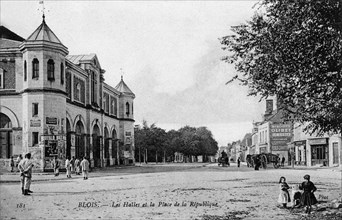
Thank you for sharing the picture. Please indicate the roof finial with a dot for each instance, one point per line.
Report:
(42, 9)
(122, 73)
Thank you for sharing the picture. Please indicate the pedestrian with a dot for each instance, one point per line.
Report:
(77, 166)
(284, 196)
(72, 164)
(308, 197)
(68, 167)
(282, 161)
(85, 168)
(12, 164)
(19, 158)
(238, 161)
(56, 165)
(25, 167)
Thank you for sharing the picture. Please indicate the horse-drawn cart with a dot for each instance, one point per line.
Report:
(262, 160)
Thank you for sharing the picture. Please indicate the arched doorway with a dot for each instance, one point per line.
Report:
(68, 146)
(106, 146)
(79, 140)
(5, 136)
(96, 146)
(114, 147)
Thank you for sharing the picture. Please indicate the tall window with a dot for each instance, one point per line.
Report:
(62, 73)
(34, 109)
(127, 108)
(78, 92)
(111, 106)
(132, 108)
(35, 68)
(35, 138)
(1, 78)
(51, 69)
(93, 87)
(115, 107)
(25, 71)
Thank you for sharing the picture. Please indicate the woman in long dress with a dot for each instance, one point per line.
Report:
(284, 196)
(308, 198)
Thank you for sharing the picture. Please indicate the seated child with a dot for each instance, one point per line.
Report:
(296, 195)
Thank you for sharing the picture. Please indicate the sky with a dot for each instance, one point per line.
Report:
(169, 53)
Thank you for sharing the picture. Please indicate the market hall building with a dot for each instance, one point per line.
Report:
(55, 104)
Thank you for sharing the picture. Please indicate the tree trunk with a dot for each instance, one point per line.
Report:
(164, 156)
(156, 156)
(146, 159)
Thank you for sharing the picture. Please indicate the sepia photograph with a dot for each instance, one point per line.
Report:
(195, 109)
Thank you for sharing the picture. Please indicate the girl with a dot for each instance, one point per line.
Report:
(284, 196)
(308, 198)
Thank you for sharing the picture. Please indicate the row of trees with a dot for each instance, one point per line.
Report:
(154, 144)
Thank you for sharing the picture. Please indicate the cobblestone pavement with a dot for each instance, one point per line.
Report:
(174, 191)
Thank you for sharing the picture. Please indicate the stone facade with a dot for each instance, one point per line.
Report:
(57, 105)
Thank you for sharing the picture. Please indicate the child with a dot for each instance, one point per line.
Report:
(308, 198)
(296, 196)
(284, 196)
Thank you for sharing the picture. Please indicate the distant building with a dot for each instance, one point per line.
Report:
(312, 150)
(57, 105)
(273, 134)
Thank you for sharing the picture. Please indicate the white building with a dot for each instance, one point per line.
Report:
(55, 104)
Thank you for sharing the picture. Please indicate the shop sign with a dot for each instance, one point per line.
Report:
(279, 148)
(51, 121)
(35, 123)
(280, 136)
(318, 141)
(299, 143)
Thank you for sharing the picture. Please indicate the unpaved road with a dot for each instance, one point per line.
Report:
(209, 192)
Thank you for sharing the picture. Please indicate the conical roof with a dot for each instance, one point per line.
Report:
(44, 33)
(123, 88)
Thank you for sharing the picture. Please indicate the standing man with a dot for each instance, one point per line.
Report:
(77, 166)
(68, 167)
(55, 164)
(72, 164)
(239, 161)
(25, 168)
(85, 168)
(282, 161)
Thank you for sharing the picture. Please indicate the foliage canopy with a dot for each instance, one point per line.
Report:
(293, 50)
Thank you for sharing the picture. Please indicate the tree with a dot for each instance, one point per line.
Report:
(293, 49)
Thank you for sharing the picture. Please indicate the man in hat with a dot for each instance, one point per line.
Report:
(25, 167)
(85, 168)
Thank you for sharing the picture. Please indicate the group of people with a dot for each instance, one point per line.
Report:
(305, 199)
(72, 166)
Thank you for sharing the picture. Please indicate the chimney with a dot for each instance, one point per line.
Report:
(269, 106)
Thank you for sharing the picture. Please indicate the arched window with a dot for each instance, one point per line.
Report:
(127, 108)
(35, 68)
(51, 69)
(25, 71)
(62, 73)
(78, 92)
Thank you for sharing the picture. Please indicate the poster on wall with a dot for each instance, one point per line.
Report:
(280, 135)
